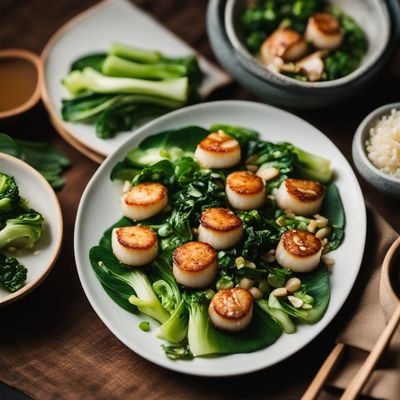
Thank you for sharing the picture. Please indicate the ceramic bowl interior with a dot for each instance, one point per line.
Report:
(387, 184)
(390, 278)
(34, 60)
(372, 15)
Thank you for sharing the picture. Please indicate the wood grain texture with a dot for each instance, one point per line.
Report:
(52, 344)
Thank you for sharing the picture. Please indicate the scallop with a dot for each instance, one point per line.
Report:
(324, 31)
(134, 245)
(144, 200)
(312, 66)
(195, 264)
(231, 309)
(299, 251)
(300, 196)
(218, 150)
(220, 227)
(245, 190)
(284, 43)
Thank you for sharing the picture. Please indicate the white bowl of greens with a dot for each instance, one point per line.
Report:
(217, 354)
(31, 228)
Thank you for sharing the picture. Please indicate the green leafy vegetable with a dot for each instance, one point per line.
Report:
(21, 231)
(127, 86)
(12, 273)
(9, 194)
(118, 278)
(50, 162)
(274, 309)
(332, 208)
(90, 79)
(316, 285)
(116, 66)
(135, 54)
(94, 61)
(205, 339)
(175, 329)
(177, 351)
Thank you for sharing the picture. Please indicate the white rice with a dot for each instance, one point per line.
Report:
(383, 145)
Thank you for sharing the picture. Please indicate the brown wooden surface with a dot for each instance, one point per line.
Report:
(59, 309)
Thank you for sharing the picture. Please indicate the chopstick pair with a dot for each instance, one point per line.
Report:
(360, 379)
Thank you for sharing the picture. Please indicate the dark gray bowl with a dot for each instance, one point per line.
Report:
(386, 184)
(283, 91)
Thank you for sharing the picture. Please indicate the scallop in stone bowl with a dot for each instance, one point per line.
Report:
(379, 20)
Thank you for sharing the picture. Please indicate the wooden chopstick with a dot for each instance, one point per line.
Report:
(324, 372)
(366, 369)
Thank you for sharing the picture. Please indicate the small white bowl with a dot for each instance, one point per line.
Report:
(386, 184)
(41, 197)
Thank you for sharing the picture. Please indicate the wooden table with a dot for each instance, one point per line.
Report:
(51, 307)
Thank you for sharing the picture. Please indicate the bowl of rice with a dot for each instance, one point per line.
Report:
(376, 149)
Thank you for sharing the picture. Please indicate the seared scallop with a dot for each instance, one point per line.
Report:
(284, 43)
(144, 200)
(231, 309)
(300, 196)
(195, 264)
(324, 31)
(218, 150)
(312, 66)
(220, 228)
(245, 190)
(134, 245)
(299, 251)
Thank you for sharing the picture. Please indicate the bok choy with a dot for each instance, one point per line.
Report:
(127, 86)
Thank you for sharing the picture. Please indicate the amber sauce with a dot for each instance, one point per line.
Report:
(18, 78)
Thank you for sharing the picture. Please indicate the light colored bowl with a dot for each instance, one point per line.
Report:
(42, 198)
(386, 184)
(374, 16)
(32, 58)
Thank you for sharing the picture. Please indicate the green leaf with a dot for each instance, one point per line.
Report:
(12, 273)
(332, 207)
(315, 284)
(205, 339)
(94, 61)
(51, 163)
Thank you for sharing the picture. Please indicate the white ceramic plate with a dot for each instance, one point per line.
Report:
(101, 199)
(41, 197)
(93, 31)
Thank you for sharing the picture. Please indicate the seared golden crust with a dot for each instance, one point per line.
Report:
(220, 219)
(326, 23)
(245, 183)
(300, 244)
(136, 237)
(145, 194)
(232, 304)
(304, 191)
(219, 142)
(194, 256)
(280, 40)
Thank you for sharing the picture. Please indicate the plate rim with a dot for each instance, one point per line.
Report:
(161, 362)
(60, 223)
(56, 121)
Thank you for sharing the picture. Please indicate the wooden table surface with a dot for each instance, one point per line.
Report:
(29, 25)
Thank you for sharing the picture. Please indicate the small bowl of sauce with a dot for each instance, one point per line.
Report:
(20, 81)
